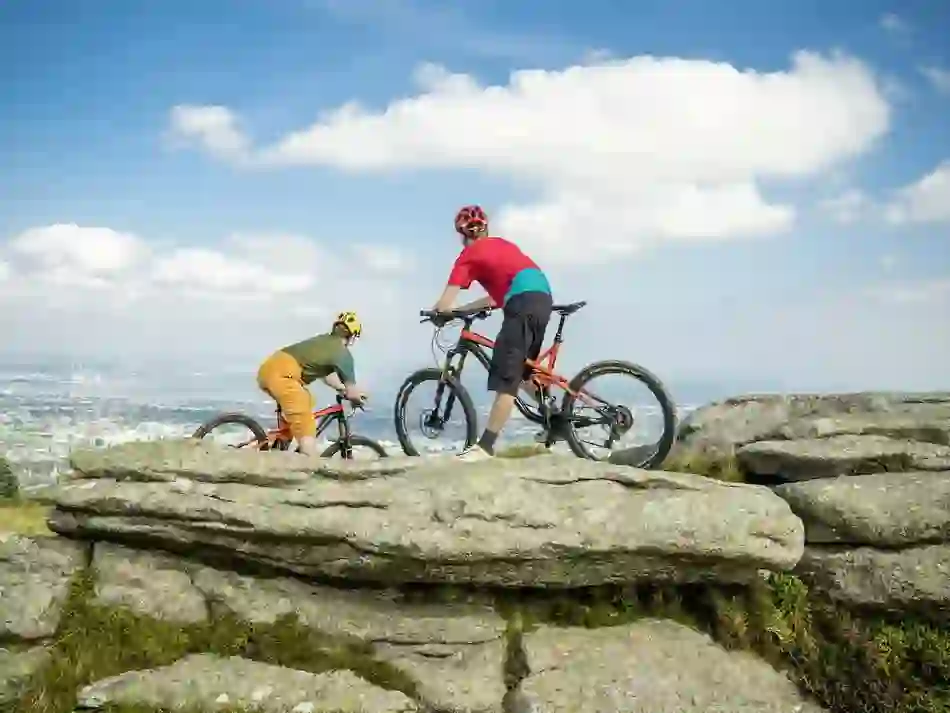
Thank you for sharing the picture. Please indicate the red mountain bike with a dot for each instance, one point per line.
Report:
(557, 422)
(280, 438)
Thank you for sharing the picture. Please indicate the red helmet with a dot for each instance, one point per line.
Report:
(470, 220)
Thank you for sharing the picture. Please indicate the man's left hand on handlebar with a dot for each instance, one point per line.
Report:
(354, 395)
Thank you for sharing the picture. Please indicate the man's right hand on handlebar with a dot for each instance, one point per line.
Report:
(440, 319)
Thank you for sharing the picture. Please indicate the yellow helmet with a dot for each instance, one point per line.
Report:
(351, 322)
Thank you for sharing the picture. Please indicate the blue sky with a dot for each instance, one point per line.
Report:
(88, 141)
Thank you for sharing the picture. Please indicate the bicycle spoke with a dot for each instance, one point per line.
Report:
(620, 414)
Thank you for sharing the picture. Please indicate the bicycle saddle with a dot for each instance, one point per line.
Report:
(569, 309)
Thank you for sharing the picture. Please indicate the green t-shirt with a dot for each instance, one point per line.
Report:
(322, 355)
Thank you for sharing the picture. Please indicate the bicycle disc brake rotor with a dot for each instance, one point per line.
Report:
(622, 421)
(431, 424)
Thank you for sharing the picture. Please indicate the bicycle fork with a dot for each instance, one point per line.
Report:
(434, 421)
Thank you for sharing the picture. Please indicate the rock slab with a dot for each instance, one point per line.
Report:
(556, 522)
(914, 579)
(719, 429)
(878, 510)
(453, 652)
(208, 683)
(16, 669)
(35, 574)
(840, 455)
(650, 666)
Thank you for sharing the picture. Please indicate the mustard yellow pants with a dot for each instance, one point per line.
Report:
(280, 377)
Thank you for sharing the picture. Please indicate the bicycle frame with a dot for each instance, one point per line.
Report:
(280, 438)
(542, 368)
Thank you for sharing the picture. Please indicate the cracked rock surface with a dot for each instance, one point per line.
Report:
(208, 682)
(549, 521)
(912, 579)
(650, 666)
(35, 574)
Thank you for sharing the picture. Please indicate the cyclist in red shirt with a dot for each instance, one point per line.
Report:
(514, 282)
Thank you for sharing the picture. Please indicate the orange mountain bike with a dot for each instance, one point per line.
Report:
(280, 438)
(561, 422)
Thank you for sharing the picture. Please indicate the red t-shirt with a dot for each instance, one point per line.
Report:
(492, 263)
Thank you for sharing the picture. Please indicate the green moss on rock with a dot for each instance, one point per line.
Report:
(93, 643)
(9, 485)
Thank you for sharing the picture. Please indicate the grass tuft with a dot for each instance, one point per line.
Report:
(23, 517)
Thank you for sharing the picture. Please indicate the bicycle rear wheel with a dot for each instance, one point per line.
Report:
(259, 436)
(619, 418)
(356, 441)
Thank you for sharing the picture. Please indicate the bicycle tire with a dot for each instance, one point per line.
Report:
(239, 418)
(355, 440)
(643, 375)
(461, 394)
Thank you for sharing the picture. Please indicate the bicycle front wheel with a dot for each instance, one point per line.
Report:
(219, 424)
(336, 448)
(449, 399)
(623, 414)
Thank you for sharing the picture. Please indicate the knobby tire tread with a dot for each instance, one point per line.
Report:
(452, 385)
(355, 440)
(239, 418)
(643, 375)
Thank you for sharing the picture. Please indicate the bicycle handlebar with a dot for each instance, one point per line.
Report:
(356, 405)
(430, 315)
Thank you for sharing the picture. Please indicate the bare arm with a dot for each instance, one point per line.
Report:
(334, 381)
(480, 303)
(444, 303)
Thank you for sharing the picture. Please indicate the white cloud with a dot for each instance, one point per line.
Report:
(381, 258)
(913, 292)
(847, 207)
(215, 129)
(893, 23)
(927, 200)
(939, 78)
(647, 148)
(233, 299)
(89, 250)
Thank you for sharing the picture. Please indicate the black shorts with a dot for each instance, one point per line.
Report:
(521, 336)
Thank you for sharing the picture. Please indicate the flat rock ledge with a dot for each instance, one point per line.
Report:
(719, 429)
(209, 683)
(885, 510)
(650, 666)
(555, 522)
(811, 458)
